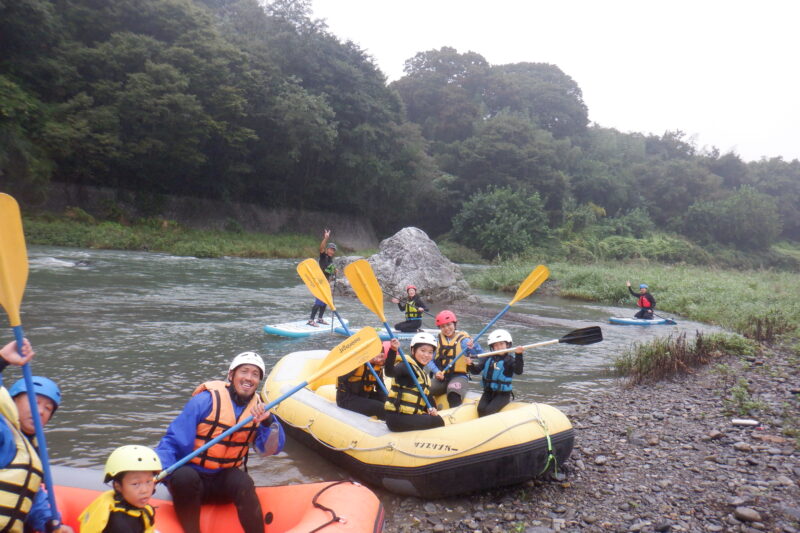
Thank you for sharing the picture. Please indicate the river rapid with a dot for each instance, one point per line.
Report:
(129, 335)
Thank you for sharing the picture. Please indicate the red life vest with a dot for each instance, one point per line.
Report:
(643, 302)
(231, 451)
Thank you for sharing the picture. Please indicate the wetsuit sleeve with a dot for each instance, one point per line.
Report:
(651, 299)
(264, 430)
(401, 305)
(518, 364)
(420, 304)
(477, 366)
(178, 442)
(630, 290)
(388, 366)
(40, 512)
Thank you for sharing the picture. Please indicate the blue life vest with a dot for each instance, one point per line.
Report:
(493, 378)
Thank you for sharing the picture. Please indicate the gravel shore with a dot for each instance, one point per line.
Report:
(659, 457)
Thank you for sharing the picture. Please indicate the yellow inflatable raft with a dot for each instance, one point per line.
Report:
(468, 454)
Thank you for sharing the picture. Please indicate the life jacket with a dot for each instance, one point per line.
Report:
(232, 450)
(21, 478)
(412, 312)
(95, 517)
(493, 378)
(326, 265)
(643, 302)
(406, 398)
(449, 350)
(360, 376)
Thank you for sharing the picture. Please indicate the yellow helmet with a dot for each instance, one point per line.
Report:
(131, 458)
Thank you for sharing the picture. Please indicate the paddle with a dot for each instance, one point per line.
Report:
(13, 278)
(365, 284)
(528, 285)
(312, 276)
(351, 353)
(580, 337)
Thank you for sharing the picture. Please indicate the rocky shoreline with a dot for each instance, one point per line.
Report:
(658, 457)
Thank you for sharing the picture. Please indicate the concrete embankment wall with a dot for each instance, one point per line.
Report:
(351, 231)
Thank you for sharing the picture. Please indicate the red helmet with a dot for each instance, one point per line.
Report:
(411, 287)
(445, 317)
(386, 347)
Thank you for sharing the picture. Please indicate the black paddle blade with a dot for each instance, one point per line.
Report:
(583, 336)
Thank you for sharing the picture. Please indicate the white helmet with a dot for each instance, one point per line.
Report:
(499, 335)
(423, 338)
(247, 358)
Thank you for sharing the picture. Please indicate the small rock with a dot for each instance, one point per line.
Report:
(742, 447)
(715, 435)
(589, 519)
(600, 460)
(663, 525)
(430, 507)
(746, 514)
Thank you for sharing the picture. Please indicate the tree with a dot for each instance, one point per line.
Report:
(501, 222)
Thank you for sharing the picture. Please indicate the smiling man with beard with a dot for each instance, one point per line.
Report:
(214, 476)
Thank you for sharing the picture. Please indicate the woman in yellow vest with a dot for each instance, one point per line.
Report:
(359, 391)
(125, 508)
(405, 408)
(452, 380)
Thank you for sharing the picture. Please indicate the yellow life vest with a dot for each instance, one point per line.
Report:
(449, 350)
(20, 479)
(362, 376)
(230, 451)
(95, 517)
(406, 398)
(412, 311)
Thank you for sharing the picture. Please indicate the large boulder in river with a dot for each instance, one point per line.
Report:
(410, 257)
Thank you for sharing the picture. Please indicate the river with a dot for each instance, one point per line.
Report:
(128, 335)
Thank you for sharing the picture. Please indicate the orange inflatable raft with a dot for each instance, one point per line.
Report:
(327, 507)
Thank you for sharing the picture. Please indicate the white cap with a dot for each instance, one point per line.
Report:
(248, 358)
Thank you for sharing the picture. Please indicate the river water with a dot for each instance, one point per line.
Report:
(128, 335)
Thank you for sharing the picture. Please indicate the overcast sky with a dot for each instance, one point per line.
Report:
(724, 72)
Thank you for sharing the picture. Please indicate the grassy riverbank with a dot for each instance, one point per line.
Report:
(159, 235)
(759, 304)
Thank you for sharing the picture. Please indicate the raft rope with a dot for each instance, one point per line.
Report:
(551, 457)
(391, 446)
(334, 517)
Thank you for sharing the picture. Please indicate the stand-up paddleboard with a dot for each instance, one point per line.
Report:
(384, 335)
(625, 321)
(301, 328)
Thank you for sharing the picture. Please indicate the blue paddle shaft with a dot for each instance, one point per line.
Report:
(381, 384)
(164, 473)
(37, 422)
(408, 367)
(478, 336)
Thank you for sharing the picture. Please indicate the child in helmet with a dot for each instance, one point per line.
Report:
(451, 366)
(496, 373)
(645, 301)
(326, 252)
(413, 307)
(358, 391)
(125, 508)
(406, 409)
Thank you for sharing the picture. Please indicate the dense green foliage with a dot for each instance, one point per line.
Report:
(242, 100)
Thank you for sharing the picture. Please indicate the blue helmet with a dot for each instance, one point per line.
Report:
(42, 385)
(643, 286)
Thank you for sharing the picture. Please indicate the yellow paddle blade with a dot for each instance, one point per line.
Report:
(13, 259)
(365, 285)
(353, 352)
(531, 283)
(315, 280)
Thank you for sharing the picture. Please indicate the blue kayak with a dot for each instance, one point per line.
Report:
(624, 321)
(383, 334)
(299, 328)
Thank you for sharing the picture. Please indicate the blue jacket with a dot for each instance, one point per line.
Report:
(179, 439)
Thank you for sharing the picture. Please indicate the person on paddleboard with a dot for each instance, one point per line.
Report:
(452, 344)
(326, 252)
(215, 475)
(645, 301)
(48, 399)
(496, 372)
(413, 306)
(358, 391)
(406, 409)
(131, 470)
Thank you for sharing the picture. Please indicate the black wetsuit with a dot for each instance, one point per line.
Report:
(644, 312)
